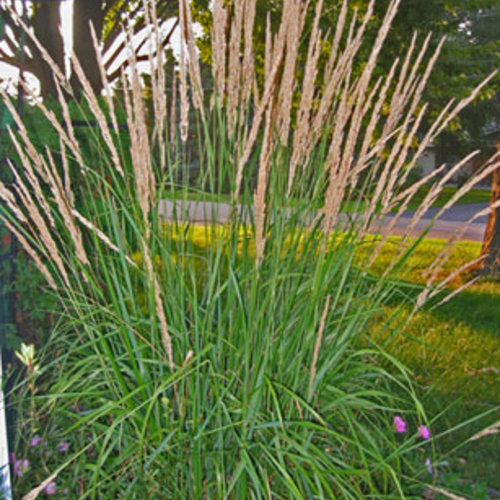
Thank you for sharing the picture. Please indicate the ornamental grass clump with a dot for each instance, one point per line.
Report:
(234, 361)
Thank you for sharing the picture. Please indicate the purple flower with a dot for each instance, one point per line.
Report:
(428, 464)
(21, 466)
(36, 440)
(63, 446)
(12, 457)
(50, 489)
(399, 424)
(424, 432)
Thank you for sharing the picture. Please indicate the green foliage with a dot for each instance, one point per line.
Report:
(452, 350)
(471, 52)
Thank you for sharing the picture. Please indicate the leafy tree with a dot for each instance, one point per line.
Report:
(471, 52)
(44, 20)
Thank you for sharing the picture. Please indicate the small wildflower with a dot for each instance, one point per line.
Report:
(12, 457)
(28, 358)
(35, 441)
(424, 432)
(50, 489)
(63, 446)
(21, 466)
(65, 491)
(428, 464)
(399, 424)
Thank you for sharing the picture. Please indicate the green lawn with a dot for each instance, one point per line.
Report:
(453, 351)
(476, 195)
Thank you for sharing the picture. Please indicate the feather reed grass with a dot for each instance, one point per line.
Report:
(214, 378)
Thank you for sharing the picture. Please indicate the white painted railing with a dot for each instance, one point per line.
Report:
(5, 484)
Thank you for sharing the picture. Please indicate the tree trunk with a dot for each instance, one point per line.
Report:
(47, 27)
(84, 13)
(491, 242)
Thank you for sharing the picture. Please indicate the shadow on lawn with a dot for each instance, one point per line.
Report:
(477, 309)
(452, 353)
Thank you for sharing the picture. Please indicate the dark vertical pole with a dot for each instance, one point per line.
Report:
(8, 305)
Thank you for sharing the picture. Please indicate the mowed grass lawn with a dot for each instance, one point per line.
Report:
(454, 352)
(476, 195)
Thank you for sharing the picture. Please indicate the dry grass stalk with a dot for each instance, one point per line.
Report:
(248, 64)
(39, 228)
(436, 189)
(68, 137)
(262, 183)
(414, 95)
(23, 133)
(31, 252)
(10, 200)
(339, 31)
(160, 312)
(294, 9)
(31, 177)
(270, 87)
(157, 74)
(104, 78)
(173, 112)
(56, 186)
(368, 149)
(445, 493)
(353, 110)
(66, 172)
(101, 235)
(334, 191)
(317, 346)
(183, 86)
(463, 287)
(234, 64)
(436, 267)
(139, 141)
(447, 114)
(220, 16)
(188, 39)
(143, 169)
(97, 112)
(442, 256)
(492, 429)
(35, 492)
(57, 71)
(300, 137)
(422, 208)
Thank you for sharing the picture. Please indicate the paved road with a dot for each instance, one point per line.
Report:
(448, 223)
(445, 227)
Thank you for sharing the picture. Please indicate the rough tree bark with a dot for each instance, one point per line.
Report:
(491, 242)
(47, 27)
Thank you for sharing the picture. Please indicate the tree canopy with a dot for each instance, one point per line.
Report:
(471, 52)
(43, 18)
